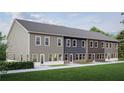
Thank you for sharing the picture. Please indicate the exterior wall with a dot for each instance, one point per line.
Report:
(96, 51)
(74, 50)
(46, 50)
(109, 51)
(17, 43)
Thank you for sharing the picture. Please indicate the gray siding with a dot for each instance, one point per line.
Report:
(53, 48)
(95, 50)
(74, 50)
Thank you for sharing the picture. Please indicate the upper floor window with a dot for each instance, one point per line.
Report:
(47, 41)
(59, 41)
(116, 45)
(74, 43)
(107, 45)
(102, 44)
(68, 43)
(37, 40)
(110, 45)
(96, 44)
(83, 43)
(91, 44)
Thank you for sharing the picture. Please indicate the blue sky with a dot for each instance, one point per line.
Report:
(106, 21)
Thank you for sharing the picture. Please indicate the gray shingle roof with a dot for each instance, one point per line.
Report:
(63, 31)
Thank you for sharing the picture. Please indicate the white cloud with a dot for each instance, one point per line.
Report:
(39, 17)
(73, 14)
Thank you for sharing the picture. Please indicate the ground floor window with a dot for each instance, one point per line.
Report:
(66, 57)
(54, 57)
(50, 57)
(80, 56)
(76, 56)
(35, 57)
(59, 57)
(90, 56)
(100, 55)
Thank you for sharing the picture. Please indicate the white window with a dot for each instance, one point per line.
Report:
(96, 44)
(76, 56)
(116, 45)
(37, 40)
(68, 43)
(102, 44)
(50, 57)
(59, 41)
(54, 57)
(83, 43)
(59, 57)
(35, 57)
(110, 45)
(74, 43)
(107, 45)
(80, 56)
(91, 44)
(47, 41)
(66, 57)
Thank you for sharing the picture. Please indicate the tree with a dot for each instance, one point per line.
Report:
(94, 29)
(120, 38)
(2, 48)
(123, 19)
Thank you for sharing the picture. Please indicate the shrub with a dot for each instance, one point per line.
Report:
(17, 65)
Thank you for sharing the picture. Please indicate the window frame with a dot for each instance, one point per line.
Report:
(84, 43)
(37, 36)
(107, 45)
(67, 42)
(58, 57)
(75, 43)
(61, 41)
(97, 44)
(48, 40)
(33, 57)
(92, 43)
(103, 46)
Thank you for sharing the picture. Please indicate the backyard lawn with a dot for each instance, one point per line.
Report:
(113, 72)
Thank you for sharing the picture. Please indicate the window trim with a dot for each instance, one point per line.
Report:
(75, 43)
(77, 56)
(92, 43)
(37, 36)
(67, 44)
(84, 43)
(67, 57)
(97, 44)
(58, 57)
(48, 40)
(35, 55)
(61, 41)
(103, 44)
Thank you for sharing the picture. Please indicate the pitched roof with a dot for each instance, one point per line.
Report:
(61, 30)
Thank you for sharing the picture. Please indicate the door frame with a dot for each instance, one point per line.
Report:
(43, 58)
(71, 57)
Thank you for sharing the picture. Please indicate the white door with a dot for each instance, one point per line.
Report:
(42, 58)
(71, 57)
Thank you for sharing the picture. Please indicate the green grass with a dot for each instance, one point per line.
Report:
(111, 72)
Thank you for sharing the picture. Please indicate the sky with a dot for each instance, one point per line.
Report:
(106, 21)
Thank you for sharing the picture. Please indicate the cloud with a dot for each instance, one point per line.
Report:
(14, 15)
(40, 17)
(73, 14)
